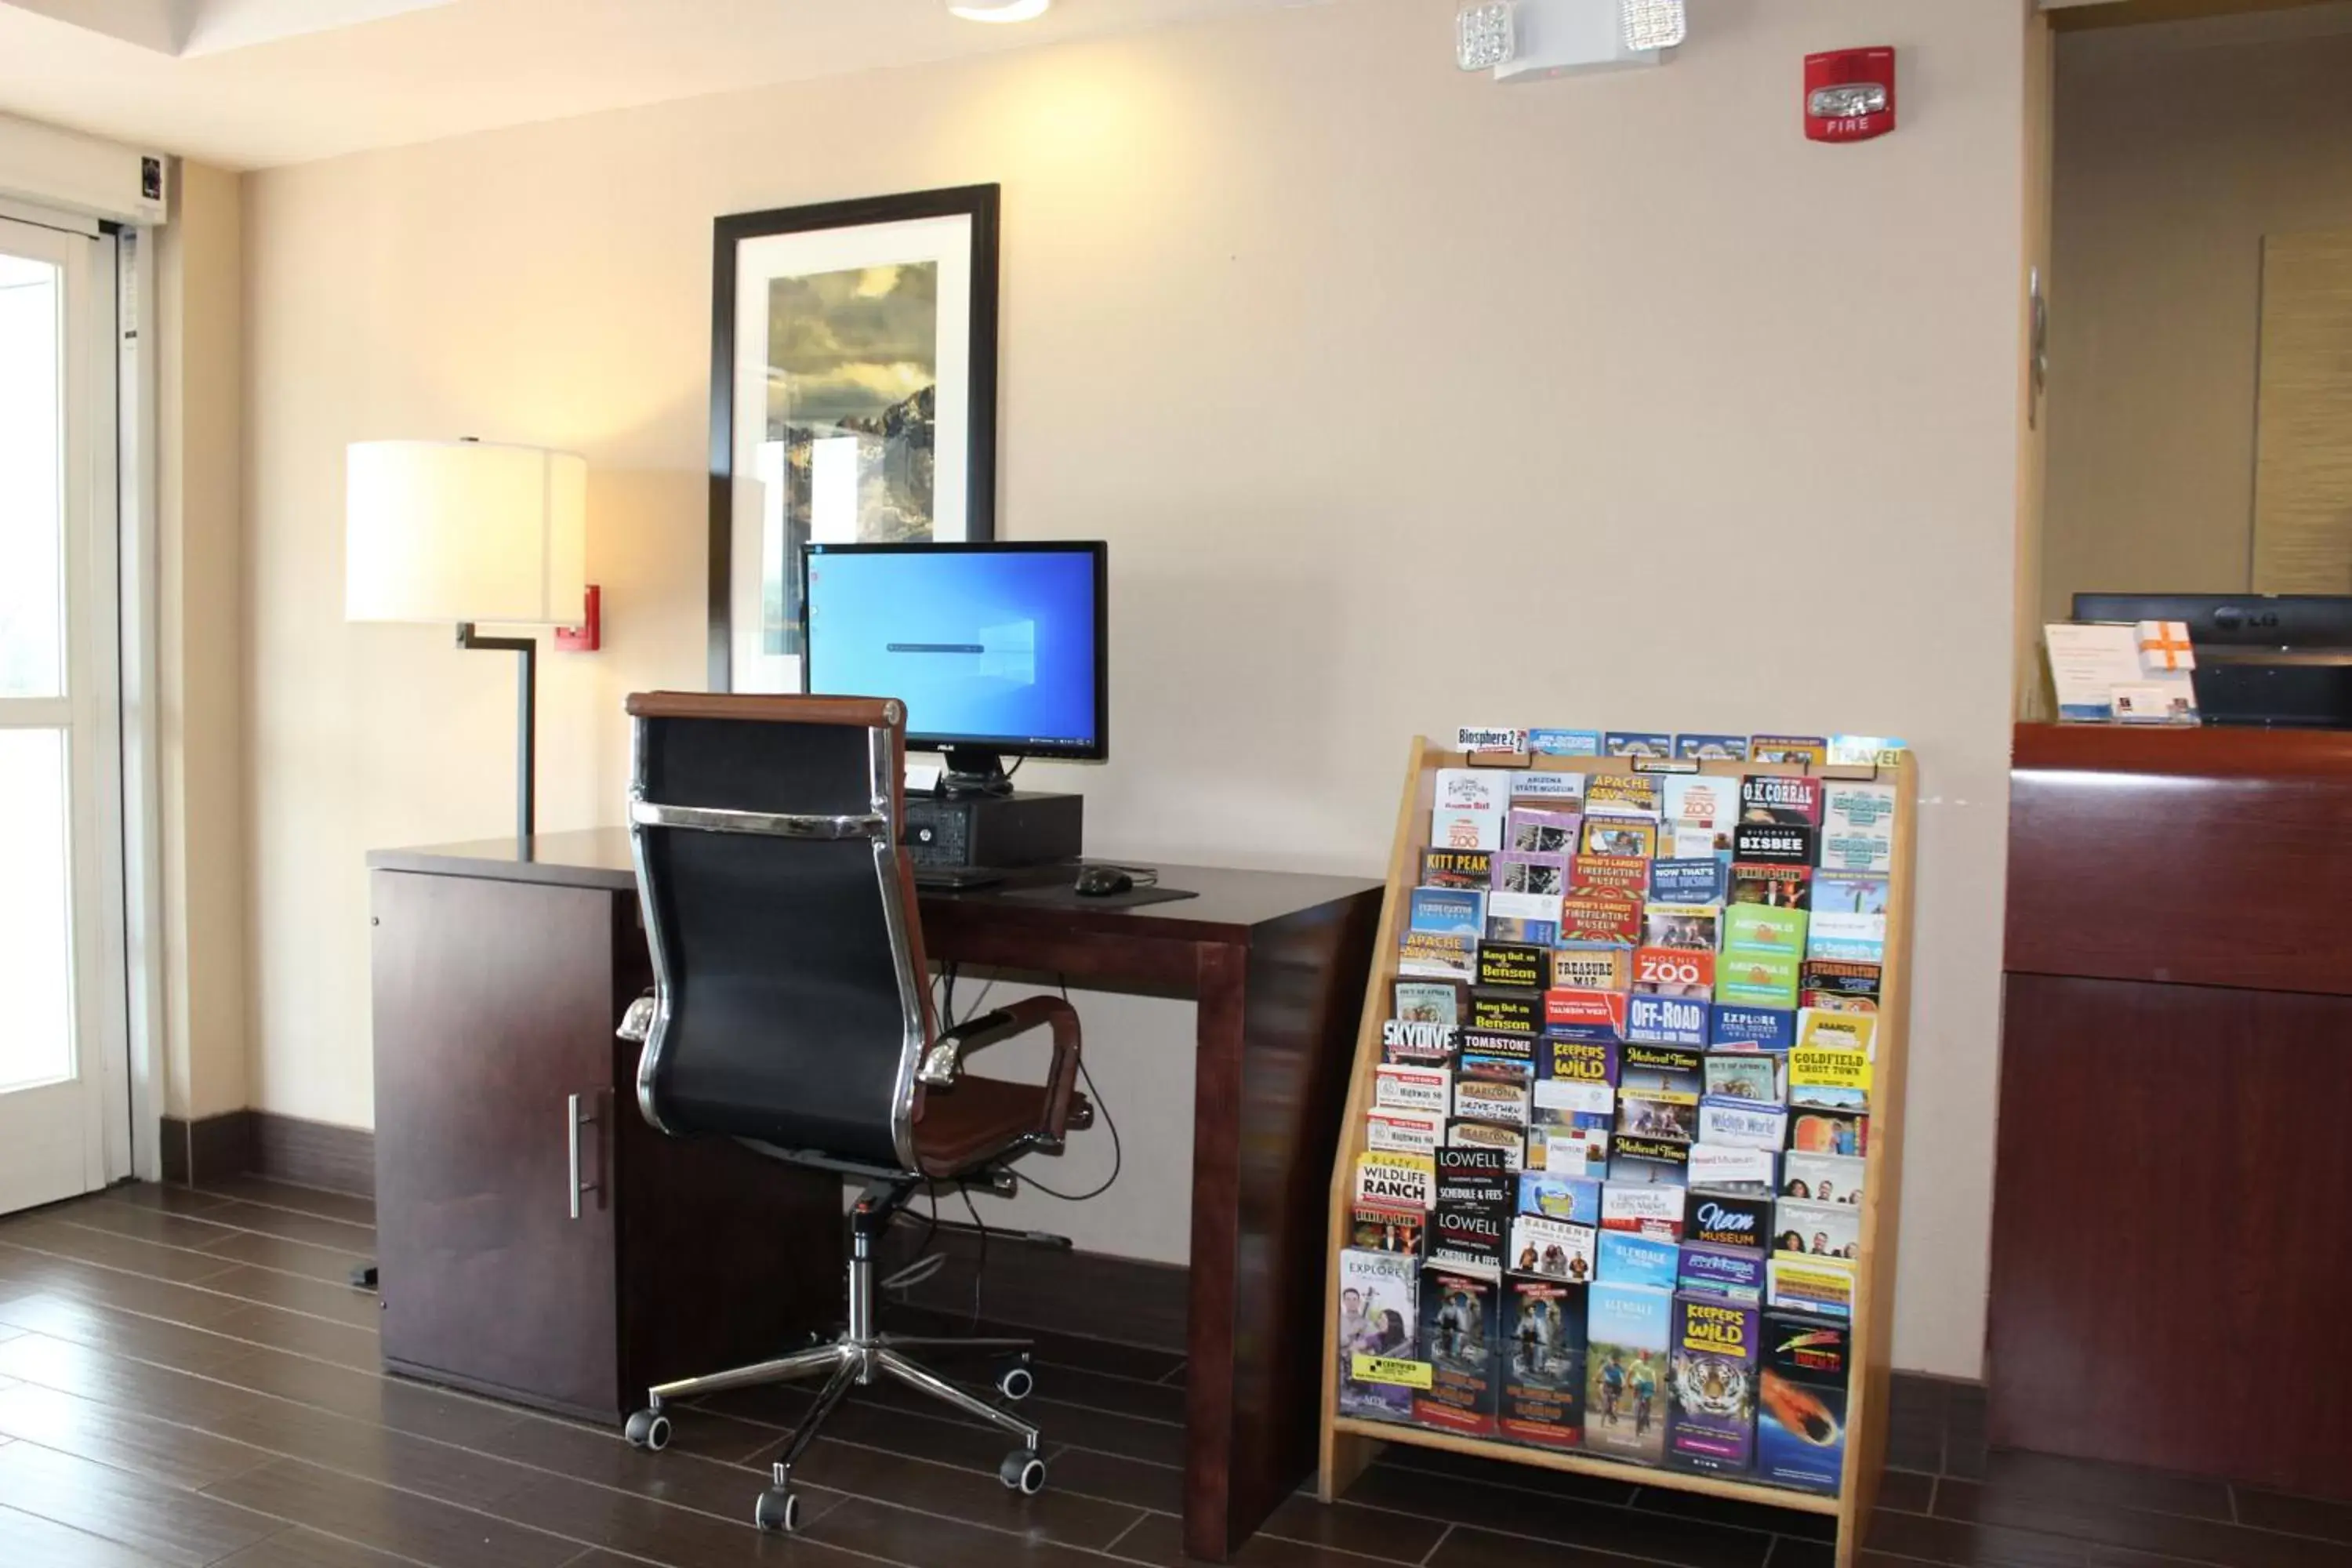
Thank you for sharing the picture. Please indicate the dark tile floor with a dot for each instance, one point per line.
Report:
(186, 1381)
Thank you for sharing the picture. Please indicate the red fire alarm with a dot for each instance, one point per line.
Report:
(1849, 95)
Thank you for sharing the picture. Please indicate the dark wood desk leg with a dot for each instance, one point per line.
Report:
(1277, 1026)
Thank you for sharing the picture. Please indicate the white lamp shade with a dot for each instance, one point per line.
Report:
(465, 531)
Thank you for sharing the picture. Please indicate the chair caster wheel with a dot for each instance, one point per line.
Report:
(1015, 1381)
(778, 1509)
(649, 1430)
(1022, 1471)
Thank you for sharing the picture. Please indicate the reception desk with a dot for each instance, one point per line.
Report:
(2171, 1282)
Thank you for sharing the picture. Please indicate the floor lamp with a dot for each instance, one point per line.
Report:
(470, 534)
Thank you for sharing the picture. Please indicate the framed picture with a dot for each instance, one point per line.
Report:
(852, 400)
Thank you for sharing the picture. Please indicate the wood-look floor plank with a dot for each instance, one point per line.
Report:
(28, 1541)
(295, 1547)
(62, 1317)
(344, 1329)
(277, 1428)
(916, 1434)
(1467, 1547)
(1732, 1511)
(1906, 1491)
(1056, 1514)
(685, 1479)
(270, 1327)
(1158, 1540)
(1519, 1478)
(1098, 1391)
(137, 1221)
(176, 1527)
(2158, 1534)
(124, 1292)
(110, 1249)
(673, 1537)
(41, 1361)
(335, 1302)
(410, 1407)
(1135, 1482)
(2294, 1515)
(1345, 1527)
(261, 1191)
(110, 1435)
(1135, 1361)
(93, 1373)
(1602, 1527)
(288, 1225)
(1161, 1442)
(155, 1195)
(402, 1524)
(330, 1263)
(1924, 1539)
(926, 1541)
(2091, 1483)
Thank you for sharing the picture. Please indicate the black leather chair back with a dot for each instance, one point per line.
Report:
(791, 1004)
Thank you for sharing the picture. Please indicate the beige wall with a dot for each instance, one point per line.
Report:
(1404, 399)
(200, 642)
(2179, 147)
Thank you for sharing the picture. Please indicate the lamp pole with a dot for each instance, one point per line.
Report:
(526, 722)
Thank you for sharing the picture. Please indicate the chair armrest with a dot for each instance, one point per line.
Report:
(943, 1063)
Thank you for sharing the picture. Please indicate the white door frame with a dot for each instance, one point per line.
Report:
(93, 710)
(138, 613)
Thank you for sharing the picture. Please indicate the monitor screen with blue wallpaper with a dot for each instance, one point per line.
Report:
(990, 646)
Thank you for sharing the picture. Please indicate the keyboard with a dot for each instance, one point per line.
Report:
(954, 879)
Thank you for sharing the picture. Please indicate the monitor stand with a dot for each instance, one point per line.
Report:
(974, 771)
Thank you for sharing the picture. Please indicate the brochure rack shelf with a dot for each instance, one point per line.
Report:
(1349, 1443)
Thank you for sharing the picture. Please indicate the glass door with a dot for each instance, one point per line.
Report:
(60, 1008)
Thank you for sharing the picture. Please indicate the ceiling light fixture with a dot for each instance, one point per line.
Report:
(999, 10)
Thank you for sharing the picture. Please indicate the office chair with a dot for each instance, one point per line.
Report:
(791, 1011)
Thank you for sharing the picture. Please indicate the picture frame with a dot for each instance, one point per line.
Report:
(853, 399)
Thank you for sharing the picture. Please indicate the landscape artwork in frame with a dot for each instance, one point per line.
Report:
(852, 400)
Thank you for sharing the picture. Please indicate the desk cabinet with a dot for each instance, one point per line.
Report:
(495, 1004)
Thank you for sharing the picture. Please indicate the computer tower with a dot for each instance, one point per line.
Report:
(1029, 828)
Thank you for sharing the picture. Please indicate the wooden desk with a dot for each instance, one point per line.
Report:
(2166, 1288)
(498, 983)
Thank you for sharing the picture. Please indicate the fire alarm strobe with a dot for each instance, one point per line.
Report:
(1849, 94)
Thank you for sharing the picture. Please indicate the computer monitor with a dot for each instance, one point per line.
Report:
(2283, 660)
(997, 649)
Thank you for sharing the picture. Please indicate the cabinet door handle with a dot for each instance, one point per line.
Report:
(573, 1121)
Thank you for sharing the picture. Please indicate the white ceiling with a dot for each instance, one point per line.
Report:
(248, 83)
(203, 27)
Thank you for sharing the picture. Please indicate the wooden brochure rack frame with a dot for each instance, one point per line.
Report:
(1350, 1443)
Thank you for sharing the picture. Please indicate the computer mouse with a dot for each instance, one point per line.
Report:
(1102, 882)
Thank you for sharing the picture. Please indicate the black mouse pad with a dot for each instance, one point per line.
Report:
(1063, 893)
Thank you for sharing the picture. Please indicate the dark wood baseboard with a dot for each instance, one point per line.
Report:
(263, 1143)
(314, 1153)
(207, 1147)
(1130, 1299)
